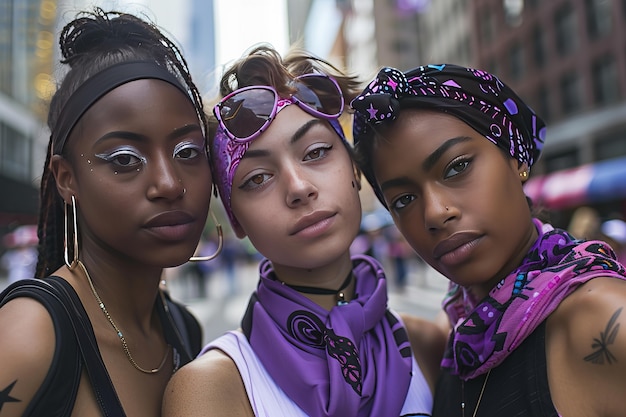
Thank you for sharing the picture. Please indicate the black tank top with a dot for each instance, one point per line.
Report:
(57, 394)
(518, 387)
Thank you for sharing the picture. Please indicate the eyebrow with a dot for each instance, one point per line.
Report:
(434, 157)
(428, 164)
(297, 135)
(122, 134)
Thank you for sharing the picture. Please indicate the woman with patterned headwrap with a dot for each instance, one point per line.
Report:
(536, 315)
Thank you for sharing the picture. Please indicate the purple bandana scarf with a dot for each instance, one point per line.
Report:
(354, 360)
(476, 97)
(486, 332)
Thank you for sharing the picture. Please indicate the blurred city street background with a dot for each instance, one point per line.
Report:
(566, 58)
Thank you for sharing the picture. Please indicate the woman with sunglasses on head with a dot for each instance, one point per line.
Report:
(317, 338)
(125, 193)
(537, 315)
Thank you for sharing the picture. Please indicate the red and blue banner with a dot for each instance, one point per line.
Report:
(592, 183)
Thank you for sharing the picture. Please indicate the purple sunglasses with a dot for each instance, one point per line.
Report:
(245, 113)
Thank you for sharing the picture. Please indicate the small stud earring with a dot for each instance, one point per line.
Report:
(523, 174)
(447, 208)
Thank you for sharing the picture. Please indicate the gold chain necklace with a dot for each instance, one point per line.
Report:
(119, 332)
(480, 396)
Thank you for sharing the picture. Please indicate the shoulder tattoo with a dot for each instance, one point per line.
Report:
(5, 396)
(600, 345)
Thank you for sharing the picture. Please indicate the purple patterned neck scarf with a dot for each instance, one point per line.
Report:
(488, 331)
(354, 360)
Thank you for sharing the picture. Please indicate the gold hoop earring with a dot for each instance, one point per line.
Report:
(220, 243)
(66, 255)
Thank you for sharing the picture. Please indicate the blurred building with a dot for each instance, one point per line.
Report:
(26, 45)
(566, 58)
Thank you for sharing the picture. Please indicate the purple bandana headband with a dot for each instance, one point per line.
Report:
(476, 97)
(227, 154)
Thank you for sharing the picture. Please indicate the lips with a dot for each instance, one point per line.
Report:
(171, 225)
(454, 242)
(310, 220)
(170, 218)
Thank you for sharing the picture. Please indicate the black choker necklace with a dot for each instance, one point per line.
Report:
(341, 296)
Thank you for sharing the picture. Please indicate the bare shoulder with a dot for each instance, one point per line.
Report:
(586, 342)
(26, 350)
(590, 303)
(428, 341)
(210, 382)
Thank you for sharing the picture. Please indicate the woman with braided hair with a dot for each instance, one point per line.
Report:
(125, 193)
(537, 316)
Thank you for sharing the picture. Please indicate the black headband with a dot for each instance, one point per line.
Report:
(100, 84)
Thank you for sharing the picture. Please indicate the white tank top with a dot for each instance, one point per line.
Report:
(268, 399)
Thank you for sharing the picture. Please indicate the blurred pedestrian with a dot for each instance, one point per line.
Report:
(615, 232)
(537, 315)
(400, 252)
(585, 223)
(20, 258)
(228, 261)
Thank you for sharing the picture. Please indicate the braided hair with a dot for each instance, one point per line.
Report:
(90, 43)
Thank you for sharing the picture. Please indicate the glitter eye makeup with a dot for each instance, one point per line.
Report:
(187, 150)
(123, 157)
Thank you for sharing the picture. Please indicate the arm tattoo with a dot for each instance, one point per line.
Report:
(601, 345)
(5, 397)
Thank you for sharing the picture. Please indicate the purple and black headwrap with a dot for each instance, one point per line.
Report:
(476, 97)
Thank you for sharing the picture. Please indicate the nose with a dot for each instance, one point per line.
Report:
(300, 189)
(165, 179)
(438, 208)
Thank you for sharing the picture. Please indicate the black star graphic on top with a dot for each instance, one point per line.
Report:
(5, 397)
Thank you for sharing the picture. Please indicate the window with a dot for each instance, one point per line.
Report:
(539, 47)
(598, 13)
(532, 4)
(487, 27)
(14, 153)
(605, 81)
(571, 100)
(516, 61)
(513, 10)
(611, 146)
(542, 103)
(463, 52)
(563, 160)
(494, 67)
(565, 29)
